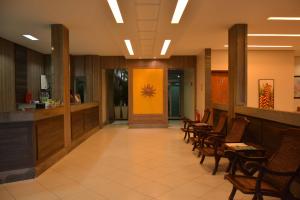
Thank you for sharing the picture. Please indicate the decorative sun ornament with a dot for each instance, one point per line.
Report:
(148, 90)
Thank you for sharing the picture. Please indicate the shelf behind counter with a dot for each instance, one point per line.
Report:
(31, 141)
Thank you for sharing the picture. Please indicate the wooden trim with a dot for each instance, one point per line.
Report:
(290, 118)
(147, 120)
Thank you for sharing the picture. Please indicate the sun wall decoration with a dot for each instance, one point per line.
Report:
(148, 90)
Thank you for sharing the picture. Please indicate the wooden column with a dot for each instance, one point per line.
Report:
(60, 63)
(237, 68)
(207, 68)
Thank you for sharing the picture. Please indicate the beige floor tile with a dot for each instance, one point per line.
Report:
(64, 191)
(39, 196)
(148, 164)
(153, 189)
(4, 194)
(178, 195)
(24, 188)
(194, 188)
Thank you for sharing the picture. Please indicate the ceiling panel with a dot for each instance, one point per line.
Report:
(147, 25)
(93, 29)
(147, 1)
(147, 35)
(147, 12)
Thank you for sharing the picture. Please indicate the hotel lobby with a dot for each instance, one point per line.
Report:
(149, 100)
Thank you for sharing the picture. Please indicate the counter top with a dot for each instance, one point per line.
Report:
(39, 114)
(78, 107)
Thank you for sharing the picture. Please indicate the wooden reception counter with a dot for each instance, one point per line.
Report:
(31, 141)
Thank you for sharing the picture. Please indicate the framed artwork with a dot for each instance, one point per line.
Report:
(297, 87)
(148, 91)
(266, 93)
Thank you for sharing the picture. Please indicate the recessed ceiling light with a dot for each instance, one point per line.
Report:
(181, 4)
(266, 46)
(285, 18)
(273, 35)
(129, 47)
(30, 37)
(113, 4)
(165, 47)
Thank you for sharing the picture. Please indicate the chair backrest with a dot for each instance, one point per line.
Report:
(221, 122)
(237, 130)
(285, 159)
(206, 115)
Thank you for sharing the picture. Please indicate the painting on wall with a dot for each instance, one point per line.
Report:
(148, 90)
(266, 93)
(297, 87)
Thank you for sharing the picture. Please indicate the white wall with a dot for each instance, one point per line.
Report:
(277, 65)
(104, 105)
(189, 93)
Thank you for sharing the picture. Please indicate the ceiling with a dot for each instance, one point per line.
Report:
(93, 29)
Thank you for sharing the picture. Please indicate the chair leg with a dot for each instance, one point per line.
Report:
(194, 146)
(217, 160)
(188, 137)
(229, 167)
(199, 153)
(185, 134)
(232, 194)
(202, 159)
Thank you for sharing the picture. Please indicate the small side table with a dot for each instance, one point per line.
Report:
(247, 149)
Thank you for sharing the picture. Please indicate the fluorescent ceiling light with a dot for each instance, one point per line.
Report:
(113, 4)
(165, 47)
(181, 4)
(285, 18)
(30, 37)
(266, 46)
(274, 35)
(129, 47)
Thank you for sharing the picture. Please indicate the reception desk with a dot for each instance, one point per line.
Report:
(31, 141)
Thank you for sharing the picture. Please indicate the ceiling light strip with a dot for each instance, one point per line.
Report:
(266, 46)
(165, 47)
(30, 37)
(129, 47)
(272, 35)
(113, 4)
(180, 7)
(285, 18)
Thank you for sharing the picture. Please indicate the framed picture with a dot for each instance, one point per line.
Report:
(266, 93)
(297, 87)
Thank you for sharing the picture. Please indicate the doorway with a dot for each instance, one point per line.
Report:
(175, 91)
(117, 95)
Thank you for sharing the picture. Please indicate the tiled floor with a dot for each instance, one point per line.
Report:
(127, 164)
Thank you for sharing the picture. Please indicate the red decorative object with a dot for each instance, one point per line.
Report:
(28, 98)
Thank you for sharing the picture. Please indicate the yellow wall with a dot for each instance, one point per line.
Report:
(277, 65)
(143, 104)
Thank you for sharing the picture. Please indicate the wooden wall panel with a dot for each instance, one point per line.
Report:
(181, 62)
(20, 73)
(16, 146)
(35, 68)
(7, 76)
(50, 136)
(113, 62)
(219, 87)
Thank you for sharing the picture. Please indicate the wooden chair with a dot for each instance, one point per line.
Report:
(276, 175)
(204, 132)
(188, 124)
(213, 145)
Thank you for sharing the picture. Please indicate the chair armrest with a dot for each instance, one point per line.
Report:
(264, 169)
